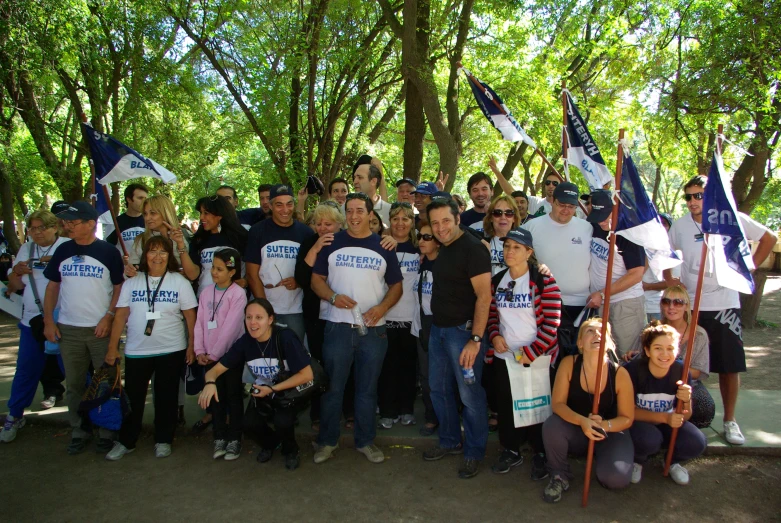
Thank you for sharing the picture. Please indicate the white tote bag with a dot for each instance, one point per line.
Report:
(530, 387)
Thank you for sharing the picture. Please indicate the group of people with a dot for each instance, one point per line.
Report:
(388, 297)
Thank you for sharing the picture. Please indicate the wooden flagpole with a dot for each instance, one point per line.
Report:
(692, 328)
(605, 314)
(107, 196)
(564, 141)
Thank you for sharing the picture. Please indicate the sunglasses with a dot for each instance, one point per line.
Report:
(675, 301)
(427, 237)
(270, 286)
(507, 212)
(696, 196)
(40, 228)
(508, 292)
(552, 182)
(396, 205)
(330, 203)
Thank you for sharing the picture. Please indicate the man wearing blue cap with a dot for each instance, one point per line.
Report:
(422, 197)
(404, 189)
(85, 275)
(627, 300)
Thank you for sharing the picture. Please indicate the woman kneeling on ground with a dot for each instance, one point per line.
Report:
(570, 427)
(268, 350)
(658, 383)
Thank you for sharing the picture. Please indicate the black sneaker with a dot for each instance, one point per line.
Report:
(78, 445)
(506, 461)
(440, 452)
(104, 445)
(556, 487)
(292, 461)
(539, 470)
(265, 455)
(468, 469)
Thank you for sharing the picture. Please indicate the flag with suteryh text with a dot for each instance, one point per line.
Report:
(582, 152)
(727, 243)
(499, 116)
(639, 222)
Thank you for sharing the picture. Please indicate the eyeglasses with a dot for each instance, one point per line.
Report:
(696, 196)
(675, 301)
(357, 195)
(330, 203)
(508, 292)
(72, 223)
(40, 228)
(427, 237)
(270, 286)
(396, 205)
(552, 182)
(159, 254)
(507, 212)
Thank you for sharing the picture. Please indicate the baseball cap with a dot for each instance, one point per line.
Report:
(601, 206)
(426, 189)
(441, 196)
(666, 217)
(406, 180)
(59, 206)
(584, 197)
(521, 236)
(567, 193)
(79, 210)
(280, 189)
(314, 185)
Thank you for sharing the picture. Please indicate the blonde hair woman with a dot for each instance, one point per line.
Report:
(159, 219)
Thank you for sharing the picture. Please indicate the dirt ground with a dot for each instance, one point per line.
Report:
(42, 483)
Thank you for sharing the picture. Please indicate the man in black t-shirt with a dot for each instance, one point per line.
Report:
(131, 222)
(460, 302)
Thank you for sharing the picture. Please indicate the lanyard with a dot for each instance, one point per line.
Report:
(46, 253)
(151, 304)
(214, 298)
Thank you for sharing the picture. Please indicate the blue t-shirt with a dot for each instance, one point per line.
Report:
(275, 249)
(262, 357)
(652, 393)
(251, 216)
(409, 262)
(473, 219)
(359, 268)
(87, 274)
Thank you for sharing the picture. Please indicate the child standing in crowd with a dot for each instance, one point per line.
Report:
(658, 383)
(219, 325)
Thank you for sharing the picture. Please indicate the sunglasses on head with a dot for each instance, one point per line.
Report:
(675, 301)
(427, 237)
(396, 205)
(330, 203)
(552, 182)
(508, 292)
(507, 212)
(696, 196)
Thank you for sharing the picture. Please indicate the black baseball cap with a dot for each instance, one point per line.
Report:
(280, 189)
(584, 197)
(59, 206)
(441, 196)
(666, 217)
(521, 236)
(601, 206)
(567, 193)
(406, 180)
(79, 210)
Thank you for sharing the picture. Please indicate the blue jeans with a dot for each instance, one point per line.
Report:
(341, 346)
(294, 322)
(30, 362)
(444, 373)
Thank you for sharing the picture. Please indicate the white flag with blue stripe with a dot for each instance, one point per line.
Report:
(727, 243)
(638, 221)
(582, 151)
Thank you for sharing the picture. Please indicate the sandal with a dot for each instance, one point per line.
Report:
(349, 423)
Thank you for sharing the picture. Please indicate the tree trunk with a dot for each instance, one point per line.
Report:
(414, 133)
(7, 201)
(749, 303)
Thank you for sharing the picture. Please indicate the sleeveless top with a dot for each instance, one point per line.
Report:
(580, 401)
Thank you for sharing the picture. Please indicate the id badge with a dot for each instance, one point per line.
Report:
(212, 325)
(153, 315)
(150, 324)
(78, 259)
(39, 265)
(699, 237)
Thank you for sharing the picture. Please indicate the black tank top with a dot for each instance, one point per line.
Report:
(580, 401)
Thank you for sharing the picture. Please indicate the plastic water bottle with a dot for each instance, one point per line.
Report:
(469, 375)
(358, 320)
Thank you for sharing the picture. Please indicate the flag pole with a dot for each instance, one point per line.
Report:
(605, 314)
(106, 195)
(564, 141)
(692, 329)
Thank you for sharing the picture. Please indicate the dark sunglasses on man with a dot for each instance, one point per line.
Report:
(696, 196)
(552, 182)
(507, 212)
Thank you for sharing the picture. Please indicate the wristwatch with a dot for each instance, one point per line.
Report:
(475, 338)
(333, 298)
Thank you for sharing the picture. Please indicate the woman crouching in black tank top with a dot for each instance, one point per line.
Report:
(570, 427)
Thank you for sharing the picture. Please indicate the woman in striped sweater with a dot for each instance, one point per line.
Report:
(522, 325)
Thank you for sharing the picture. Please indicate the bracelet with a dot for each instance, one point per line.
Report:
(609, 425)
(110, 313)
(209, 383)
(182, 251)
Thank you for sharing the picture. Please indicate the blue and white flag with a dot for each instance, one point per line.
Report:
(115, 161)
(582, 152)
(639, 222)
(500, 118)
(727, 243)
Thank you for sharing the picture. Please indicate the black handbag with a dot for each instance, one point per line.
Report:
(298, 396)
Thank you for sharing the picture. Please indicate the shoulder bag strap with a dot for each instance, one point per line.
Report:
(32, 281)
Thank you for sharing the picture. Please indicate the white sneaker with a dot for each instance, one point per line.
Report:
(679, 474)
(48, 402)
(408, 419)
(162, 450)
(117, 451)
(732, 433)
(637, 473)
(10, 428)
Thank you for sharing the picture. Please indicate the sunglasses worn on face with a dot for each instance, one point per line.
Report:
(508, 292)
(675, 301)
(427, 237)
(552, 182)
(696, 196)
(507, 212)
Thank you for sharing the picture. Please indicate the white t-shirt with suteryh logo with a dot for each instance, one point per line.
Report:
(409, 263)
(87, 275)
(686, 235)
(566, 250)
(30, 309)
(517, 321)
(169, 332)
